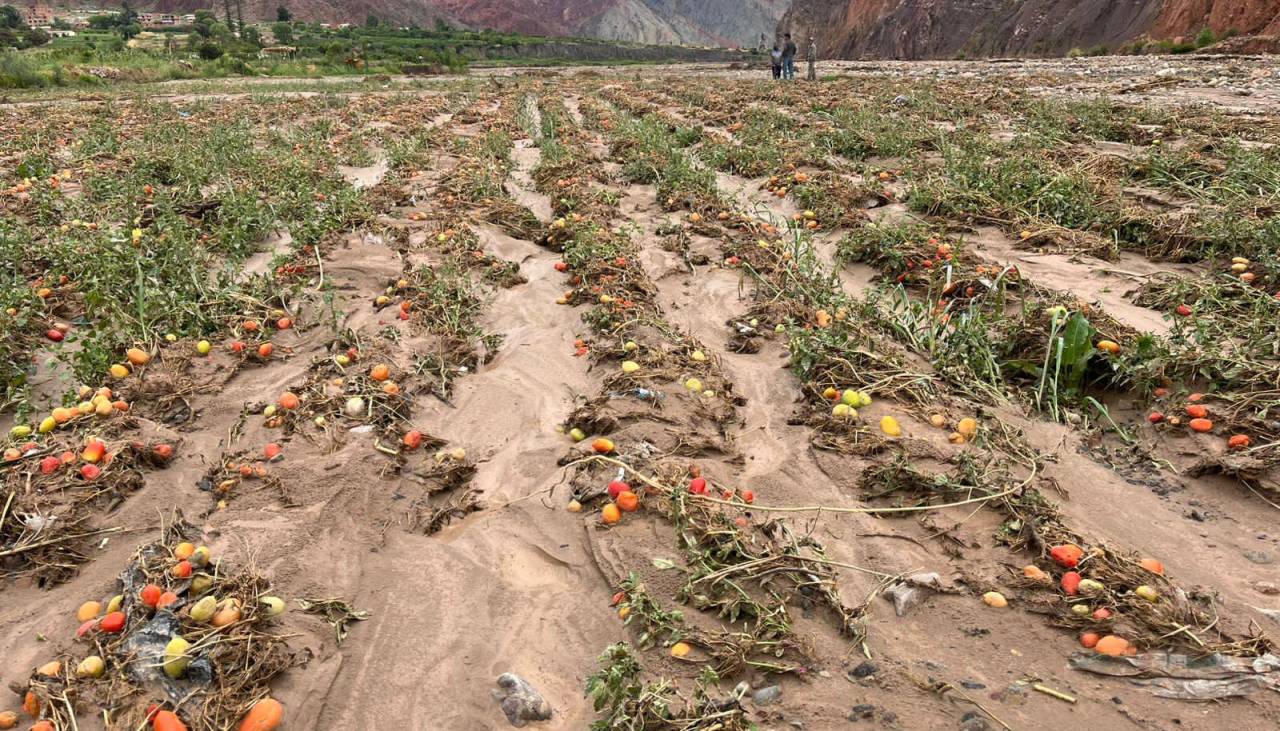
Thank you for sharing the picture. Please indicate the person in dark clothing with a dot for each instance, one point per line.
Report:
(776, 57)
(789, 51)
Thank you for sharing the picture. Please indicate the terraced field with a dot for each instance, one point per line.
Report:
(693, 401)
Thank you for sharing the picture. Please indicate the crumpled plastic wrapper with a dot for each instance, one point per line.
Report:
(1188, 678)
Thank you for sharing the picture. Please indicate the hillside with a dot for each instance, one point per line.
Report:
(687, 22)
(949, 28)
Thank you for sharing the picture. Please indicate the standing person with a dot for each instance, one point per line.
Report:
(811, 55)
(789, 57)
(776, 57)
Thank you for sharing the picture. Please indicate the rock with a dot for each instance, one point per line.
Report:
(903, 597)
(971, 721)
(1259, 557)
(767, 696)
(861, 711)
(519, 701)
(864, 670)
(1266, 587)
(907, 594)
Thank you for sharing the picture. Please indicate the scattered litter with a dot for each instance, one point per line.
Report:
(1188, 678)
(336, 612)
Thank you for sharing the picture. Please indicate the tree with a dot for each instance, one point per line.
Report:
(209, 50)
(371, 21)
(239, 18)
(283, 15)
(226, 7)
(251, 36)
(204, 23)
(283, 33)
(36, 37)
(130, 30)
(126, 16)
(9, 17)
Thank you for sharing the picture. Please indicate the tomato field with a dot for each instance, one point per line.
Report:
(678, 399)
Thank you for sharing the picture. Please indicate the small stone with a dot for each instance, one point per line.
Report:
(971, 721)
(519, 701)
(767, 696)
(972, 684)
(1258, 557)
(861, 711)
(865, 669)
(1197, 516)
(1266, 587)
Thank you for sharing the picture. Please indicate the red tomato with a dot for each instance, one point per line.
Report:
(113, 622)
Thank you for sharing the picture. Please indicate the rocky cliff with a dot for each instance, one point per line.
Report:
(951, 28)
(697, 22)
(683, 22)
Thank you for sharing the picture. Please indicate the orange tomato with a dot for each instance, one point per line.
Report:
(1200, 425)
(1152, 565)
(31, 704)
(602, 445)
(1238, 441)
(610, 514)
(1035, 573)
(1112, 645)
(628, 501)
(1196, 411)
(265, 350)
(167, 721)
(412, 440)
(113, 622)
(265, 715)
(380, 372)
(288, 400)
(1089, 639)
(150, 594)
